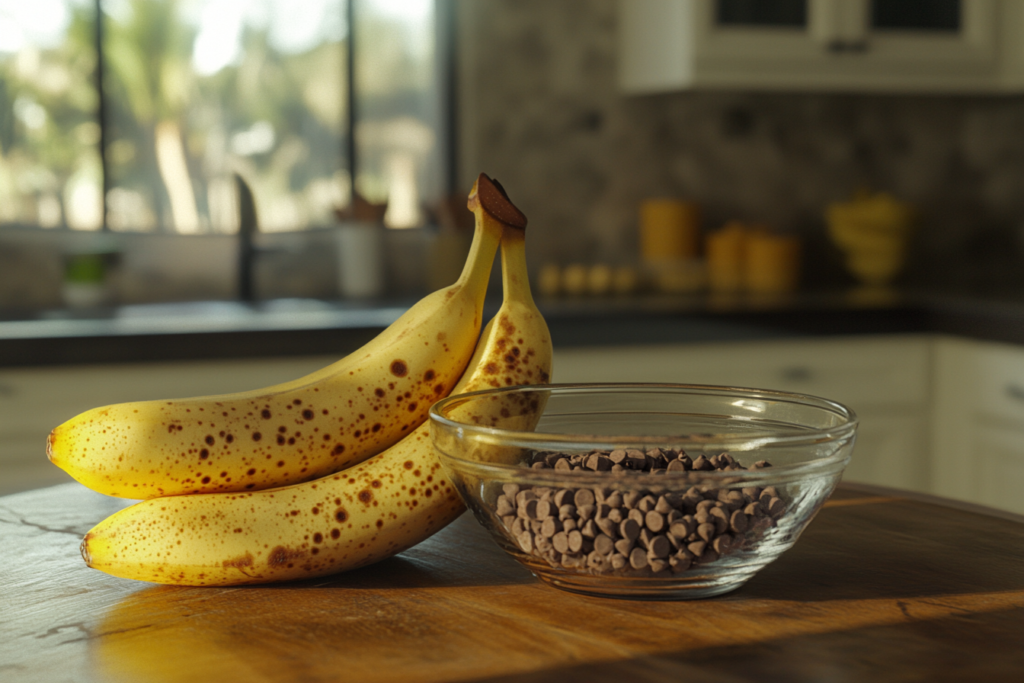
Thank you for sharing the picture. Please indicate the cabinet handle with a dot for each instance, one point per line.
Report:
(840, 46)
(1015, 391)
(797, 373)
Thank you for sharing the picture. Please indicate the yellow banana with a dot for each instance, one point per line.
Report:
(299, 430)
(346, 520)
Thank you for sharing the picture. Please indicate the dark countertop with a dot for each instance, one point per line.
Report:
(225, 329)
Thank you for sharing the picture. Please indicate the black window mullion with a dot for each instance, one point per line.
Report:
(101, 113)
(350, 89)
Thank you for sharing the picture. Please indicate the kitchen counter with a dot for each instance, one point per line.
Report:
(210, 330)
(882, 586)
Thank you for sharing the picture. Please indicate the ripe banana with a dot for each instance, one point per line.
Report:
(343, 521)
(299, 430)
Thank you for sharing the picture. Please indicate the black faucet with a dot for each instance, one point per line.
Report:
(247, 229)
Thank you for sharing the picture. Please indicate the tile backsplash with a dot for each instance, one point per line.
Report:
(542, 112)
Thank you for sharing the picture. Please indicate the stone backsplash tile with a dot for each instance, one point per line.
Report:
(547, 119)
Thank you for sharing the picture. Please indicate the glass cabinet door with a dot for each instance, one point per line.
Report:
(916, 15)
(933, 46)
(755, 13)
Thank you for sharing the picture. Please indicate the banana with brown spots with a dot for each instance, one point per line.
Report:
(346, 520)
(303, 429)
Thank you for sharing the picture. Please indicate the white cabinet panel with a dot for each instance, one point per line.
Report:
(998, 457)
(978, 423)
(891, 450)
(855, 371)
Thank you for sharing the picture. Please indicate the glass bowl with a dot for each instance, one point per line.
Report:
(652, 491)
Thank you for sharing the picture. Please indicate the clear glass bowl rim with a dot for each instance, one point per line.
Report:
(545, 441)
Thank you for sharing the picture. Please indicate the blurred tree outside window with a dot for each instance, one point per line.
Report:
(194, 91)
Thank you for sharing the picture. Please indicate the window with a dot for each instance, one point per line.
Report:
(134, 115)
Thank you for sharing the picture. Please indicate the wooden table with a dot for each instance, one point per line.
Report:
(883, 586)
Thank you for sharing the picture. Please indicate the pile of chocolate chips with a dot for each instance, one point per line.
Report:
(634, 532)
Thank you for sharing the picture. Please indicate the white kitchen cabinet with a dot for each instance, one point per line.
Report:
(969, 46)
(35, 400)
(978, 423)
(885, 380)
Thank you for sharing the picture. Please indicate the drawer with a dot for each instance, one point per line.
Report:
(999, 381)
(855, 371)
(38, 399)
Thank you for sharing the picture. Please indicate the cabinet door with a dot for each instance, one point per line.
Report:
(978, 423)
(891, 450)
(998, 458)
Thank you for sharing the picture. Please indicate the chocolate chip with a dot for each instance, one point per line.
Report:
(679, 563)
(504, 506)
(655, 521)
(706, 531)
(676, 466)
(682, 528)
(590, 529)
(738, 521)
(722, 544)
(550, 527)
(607, 526)
(604, 544)
(575, 541)
(563, 497)
(657, 566)
(629, 529)
(638, 558)
(658, 546)
(583, 497)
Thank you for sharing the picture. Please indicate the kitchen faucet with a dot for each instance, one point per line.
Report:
(247, 229)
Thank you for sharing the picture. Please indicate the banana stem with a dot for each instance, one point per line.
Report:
(514, 276)
(486, 238)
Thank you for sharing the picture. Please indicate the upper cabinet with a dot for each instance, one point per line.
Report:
(925, 46)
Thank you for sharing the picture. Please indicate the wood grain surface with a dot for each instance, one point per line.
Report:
(883, 586)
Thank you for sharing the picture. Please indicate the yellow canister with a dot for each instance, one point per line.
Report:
(669, 230)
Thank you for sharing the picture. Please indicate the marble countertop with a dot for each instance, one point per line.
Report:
(230, 329)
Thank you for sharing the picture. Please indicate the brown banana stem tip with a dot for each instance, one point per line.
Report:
(491, 196)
